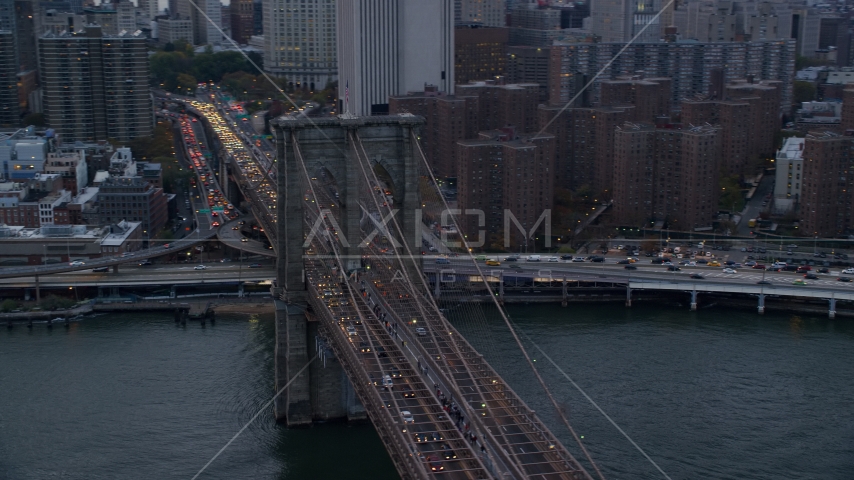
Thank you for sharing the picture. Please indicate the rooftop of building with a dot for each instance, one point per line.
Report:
(793, 148)
(119, 233)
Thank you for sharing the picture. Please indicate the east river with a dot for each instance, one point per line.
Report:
(713, 394)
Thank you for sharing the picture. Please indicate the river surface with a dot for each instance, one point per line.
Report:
(714, 394)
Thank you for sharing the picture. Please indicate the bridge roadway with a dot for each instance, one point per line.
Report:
(656, 277)
(431, 443)
(221, 273)
(176, 246)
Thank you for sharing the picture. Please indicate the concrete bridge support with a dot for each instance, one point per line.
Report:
(329, 145)
(628, 296)
(501, 288)
(437, 288)
(832, 312)
(761, 308)
(564, 296)
(693, 300)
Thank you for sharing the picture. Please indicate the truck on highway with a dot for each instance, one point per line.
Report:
(751, 223)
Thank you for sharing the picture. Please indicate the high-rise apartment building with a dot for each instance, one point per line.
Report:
(96, 86)
(390, 47)
(730, 21)
(623, 20)
(9, 106)
(480, 53)
(689, 66)
(475, 107)
(25, 36)
(299, 41)
(489, 13)
(170, 30)
(500, 174)
(584, 146)
(666, 174)
(242, 20)
(650, 98)
(827, 192)
(847, 110)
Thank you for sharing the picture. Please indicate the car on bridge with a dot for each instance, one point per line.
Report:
(407, 417)
(843, 279)
(763, 282)
(673, 268)
(799, 282)
(407, 392)
(254, 265)
(101, 269)
(442, 261)
(200, 267)
(630, 267)
(77, 263)
(436, 465)
(447, 452)
(351, 331)
(810, 276)
(730, 270)
(364, 347)
(493, 263)
(145, 263)
(697, 276)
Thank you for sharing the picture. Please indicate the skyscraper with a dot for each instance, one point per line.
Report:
(390, 47)
(621, 20)
(299, 41)
(9, 111)
(95, 86)
(242, 20)
(149, 9)
(489, 13)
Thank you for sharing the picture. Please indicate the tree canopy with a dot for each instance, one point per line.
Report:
(168, 66)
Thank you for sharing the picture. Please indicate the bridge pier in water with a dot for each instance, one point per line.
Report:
(761, 307)
(832, 312)
(628, 296)
(693, 300)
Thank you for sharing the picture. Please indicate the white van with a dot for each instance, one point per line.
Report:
(533, 258)
(388, 384)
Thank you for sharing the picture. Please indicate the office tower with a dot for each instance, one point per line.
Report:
(299, 41)
(9, 109)
(689, 66)
(133, 199)
(622, 20)
(828, 186)
(170, 30)
(149, 9)
(25, 35)
(257, 17)
(390, 47)
(479, 53)
(206, 17)
(242, 20)
(96, 86)
(488, 13)
(529, 65)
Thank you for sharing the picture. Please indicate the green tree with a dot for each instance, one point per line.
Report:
(187, 82)
(53, 302)
(731, 196)
(804, 92)
(35, 119)
(8, 305)
(174, 174)
(169, 47)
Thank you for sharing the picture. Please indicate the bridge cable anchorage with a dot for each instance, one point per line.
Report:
(364, 164)
(390, 344)
(607, 66)
(257, 414)
(504, 316)
(463, 357)
(592, 402)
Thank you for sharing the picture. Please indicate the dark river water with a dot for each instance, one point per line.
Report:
(713, 394)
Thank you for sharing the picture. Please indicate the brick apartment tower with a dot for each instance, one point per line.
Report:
(666, 174)
(828, 187)
(847, 110)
